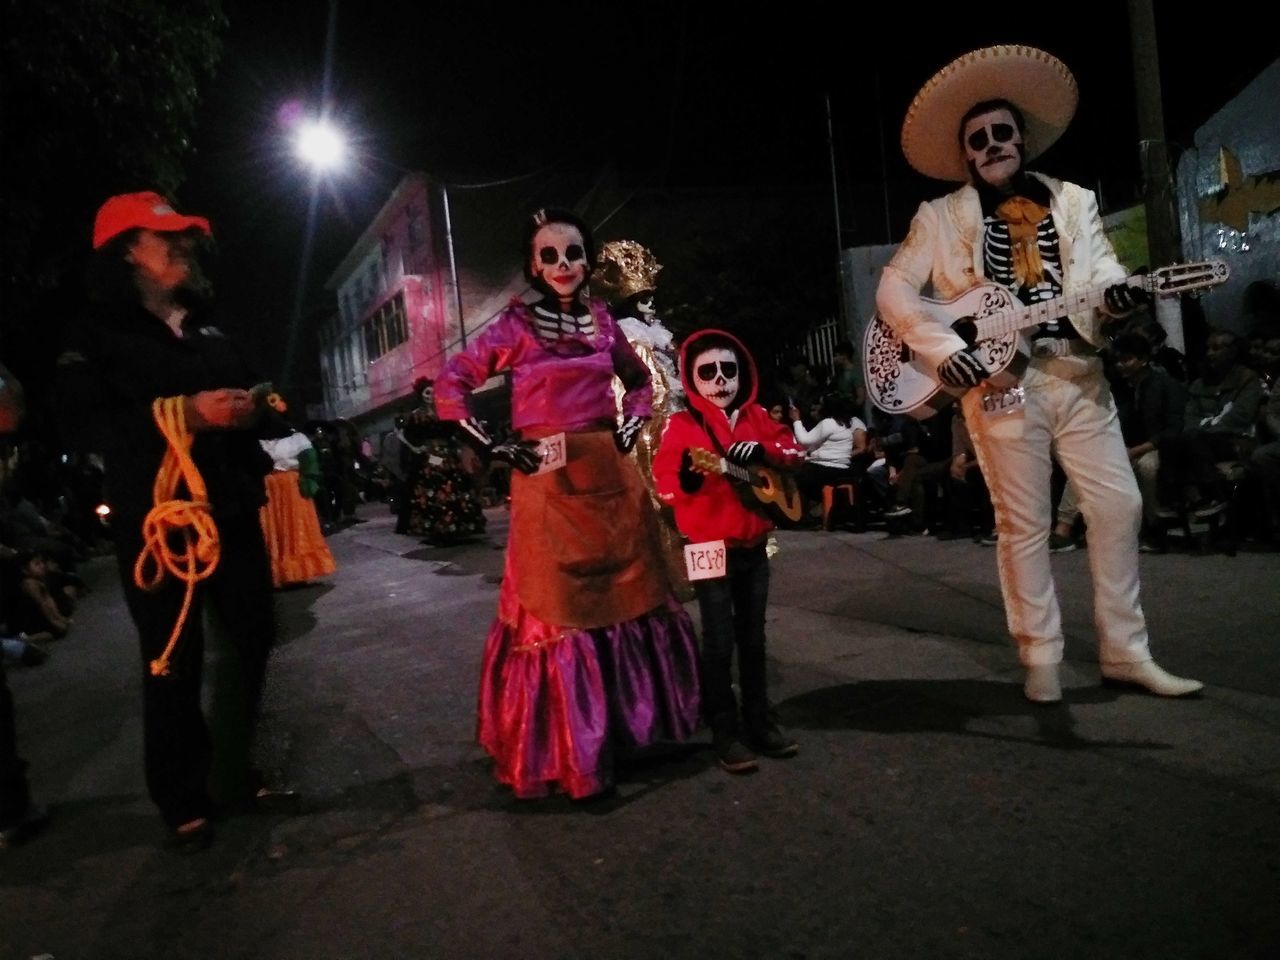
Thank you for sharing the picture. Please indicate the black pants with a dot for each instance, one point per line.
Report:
(812, 477)
(178, 750)
(733, 609)
(13, 778)
(1191, 457)
(969, 508)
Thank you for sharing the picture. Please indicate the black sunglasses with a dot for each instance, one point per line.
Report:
(1000, 133)
(707, 371)
(572, 253)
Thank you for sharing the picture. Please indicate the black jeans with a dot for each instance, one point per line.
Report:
(178, 750)
(733, 609)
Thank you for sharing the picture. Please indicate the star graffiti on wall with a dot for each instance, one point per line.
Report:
(1239, 196)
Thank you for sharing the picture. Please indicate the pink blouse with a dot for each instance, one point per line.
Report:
(567, 384)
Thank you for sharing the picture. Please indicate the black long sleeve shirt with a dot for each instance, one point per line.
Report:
(116, 363)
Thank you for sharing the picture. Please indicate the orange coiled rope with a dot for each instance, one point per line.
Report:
(171, 520)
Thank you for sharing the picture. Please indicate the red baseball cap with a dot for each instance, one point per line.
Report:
(147, 211)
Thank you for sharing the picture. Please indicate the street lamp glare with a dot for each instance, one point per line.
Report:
(321, 145)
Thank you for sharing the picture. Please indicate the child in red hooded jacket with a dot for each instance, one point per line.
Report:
(720, 382)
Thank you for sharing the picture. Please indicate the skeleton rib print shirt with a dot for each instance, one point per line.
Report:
(1020, 250)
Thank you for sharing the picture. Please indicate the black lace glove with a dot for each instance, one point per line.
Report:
(962, 369)
(1120, 299)
(744, 452)
(690, 479)
(625, 436)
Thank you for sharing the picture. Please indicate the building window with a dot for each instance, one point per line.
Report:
(386, 329)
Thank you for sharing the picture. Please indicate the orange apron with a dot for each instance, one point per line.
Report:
(583, 543)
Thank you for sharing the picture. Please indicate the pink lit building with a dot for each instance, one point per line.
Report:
(395, 318)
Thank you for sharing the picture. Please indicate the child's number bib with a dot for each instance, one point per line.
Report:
(705, 561)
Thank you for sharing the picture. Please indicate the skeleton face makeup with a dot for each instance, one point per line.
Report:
(559, 259)
(993, 146)
(715, 375)
(645, 307)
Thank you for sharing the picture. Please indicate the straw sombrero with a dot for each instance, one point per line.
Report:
(1037, 82)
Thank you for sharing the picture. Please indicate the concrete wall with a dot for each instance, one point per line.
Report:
(1229, 196)
(860, 274)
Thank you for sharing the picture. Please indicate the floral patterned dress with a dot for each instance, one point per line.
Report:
(443, 504)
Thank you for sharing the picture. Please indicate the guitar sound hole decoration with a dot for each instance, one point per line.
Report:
(884, 358)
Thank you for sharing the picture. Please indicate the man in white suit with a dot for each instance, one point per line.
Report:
(980, 120)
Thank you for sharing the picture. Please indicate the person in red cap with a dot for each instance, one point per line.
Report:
(148, 334)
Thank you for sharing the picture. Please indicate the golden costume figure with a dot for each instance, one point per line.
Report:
(626, 275)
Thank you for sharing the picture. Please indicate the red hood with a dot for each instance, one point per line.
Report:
(701, 340)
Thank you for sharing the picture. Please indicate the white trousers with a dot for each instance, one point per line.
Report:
(1146, 468)
(1068, 414)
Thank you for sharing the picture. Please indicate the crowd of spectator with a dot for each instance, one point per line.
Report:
(1202, 432)
(49, 524)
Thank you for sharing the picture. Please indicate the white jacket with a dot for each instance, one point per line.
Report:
(944, 247)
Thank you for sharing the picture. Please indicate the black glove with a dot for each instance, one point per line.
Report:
(626, 435)
(744, 452)
(962, 369)
(524, 455)
(1120, 299)
(690, 479)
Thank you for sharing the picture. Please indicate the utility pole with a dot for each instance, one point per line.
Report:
(1158, 194)
(835, 200)
(453, 265)
(1163, 245)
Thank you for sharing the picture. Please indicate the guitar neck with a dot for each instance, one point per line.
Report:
(1000, 322)
(712, 463)
(735, 472)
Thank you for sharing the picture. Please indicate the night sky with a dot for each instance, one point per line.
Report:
(687, 97)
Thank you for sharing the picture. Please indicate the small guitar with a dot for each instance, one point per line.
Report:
(991, 319)
(769, 491)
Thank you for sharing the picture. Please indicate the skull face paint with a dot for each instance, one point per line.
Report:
(559, 259)
(993, 146)
(645, 307)
(715, 375)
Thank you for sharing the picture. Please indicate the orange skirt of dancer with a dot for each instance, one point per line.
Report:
(291, 527)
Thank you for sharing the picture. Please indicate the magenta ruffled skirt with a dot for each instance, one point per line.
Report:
(556, 702)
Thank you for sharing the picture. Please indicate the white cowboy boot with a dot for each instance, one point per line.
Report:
(1148, 674)
(1042, 684)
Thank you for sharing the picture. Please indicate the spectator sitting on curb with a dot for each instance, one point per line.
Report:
(20, 819)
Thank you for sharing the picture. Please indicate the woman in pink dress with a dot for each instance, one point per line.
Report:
(590, 652)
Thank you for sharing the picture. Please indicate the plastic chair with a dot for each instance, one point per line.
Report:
(830, 492)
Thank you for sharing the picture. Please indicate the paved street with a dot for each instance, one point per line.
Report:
(932, 811)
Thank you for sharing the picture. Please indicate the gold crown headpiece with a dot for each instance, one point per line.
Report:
(623, 269)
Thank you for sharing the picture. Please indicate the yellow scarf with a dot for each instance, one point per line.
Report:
(1023, 217)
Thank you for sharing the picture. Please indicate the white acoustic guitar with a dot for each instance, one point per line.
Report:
(991, 319)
